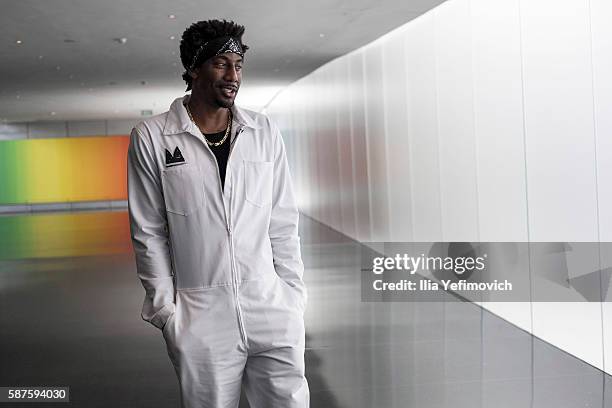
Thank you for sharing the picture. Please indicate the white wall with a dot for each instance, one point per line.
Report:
(37, 130)
(481, 120)
(601, 36)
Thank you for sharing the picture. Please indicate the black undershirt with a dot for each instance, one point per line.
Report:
(221, 152)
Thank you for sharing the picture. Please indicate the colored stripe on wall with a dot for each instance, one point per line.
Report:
(63, 169)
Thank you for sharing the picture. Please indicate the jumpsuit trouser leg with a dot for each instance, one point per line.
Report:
(208, 355)
(275, 379)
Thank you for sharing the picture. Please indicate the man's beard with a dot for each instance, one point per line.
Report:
(224, 103)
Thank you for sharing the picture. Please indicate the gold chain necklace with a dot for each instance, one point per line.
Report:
(228, 129)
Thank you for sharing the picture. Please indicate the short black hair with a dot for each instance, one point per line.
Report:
(201, 32)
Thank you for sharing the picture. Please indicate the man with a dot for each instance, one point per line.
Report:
(214, 225)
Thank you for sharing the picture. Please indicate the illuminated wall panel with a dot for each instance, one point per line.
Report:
(561, 162)
(505, 137)
(63, 169)
(601, 14)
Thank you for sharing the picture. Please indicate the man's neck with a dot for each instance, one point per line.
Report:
(209, 118)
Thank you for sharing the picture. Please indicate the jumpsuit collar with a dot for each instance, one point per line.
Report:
(178, 120)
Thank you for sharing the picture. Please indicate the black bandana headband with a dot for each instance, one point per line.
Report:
(215, 47)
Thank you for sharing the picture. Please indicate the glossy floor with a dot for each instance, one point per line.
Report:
(70, 304)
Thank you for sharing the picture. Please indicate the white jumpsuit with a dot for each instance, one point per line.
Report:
(222, 270)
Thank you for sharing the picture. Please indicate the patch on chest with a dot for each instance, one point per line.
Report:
(172, 159)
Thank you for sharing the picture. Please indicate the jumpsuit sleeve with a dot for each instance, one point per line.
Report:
(149, 232)
(283, 230)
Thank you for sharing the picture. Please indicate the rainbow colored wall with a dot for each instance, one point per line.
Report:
(63, 169)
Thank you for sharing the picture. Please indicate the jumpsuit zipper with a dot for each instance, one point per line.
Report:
(228, 226)
(232, 255)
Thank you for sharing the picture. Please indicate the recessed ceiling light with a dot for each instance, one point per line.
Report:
(172, 37)
(40, 57)
(57, 67)
(321, 35)
(18, 42)
(53, 113)
(121, 40)
(17, 96)
(171, 16)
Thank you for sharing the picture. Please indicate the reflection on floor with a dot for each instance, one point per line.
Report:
(70, 304)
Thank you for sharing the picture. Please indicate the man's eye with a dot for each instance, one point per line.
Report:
(238, 67)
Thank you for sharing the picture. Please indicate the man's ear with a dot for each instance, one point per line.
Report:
(194, 74)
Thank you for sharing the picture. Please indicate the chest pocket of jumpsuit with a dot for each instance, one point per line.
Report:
(258, 182)
(183, 189)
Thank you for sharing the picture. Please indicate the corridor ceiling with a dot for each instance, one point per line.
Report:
(91, 59)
